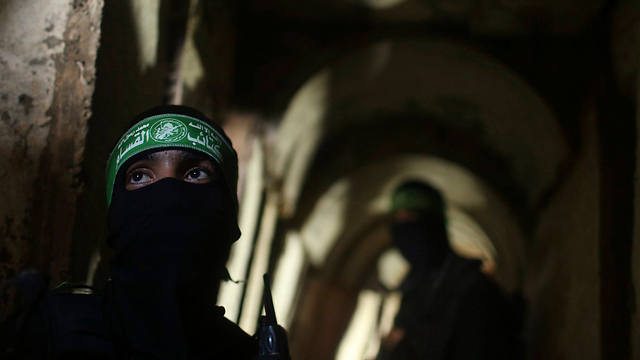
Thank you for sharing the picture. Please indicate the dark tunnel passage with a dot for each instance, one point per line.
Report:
(522, 114)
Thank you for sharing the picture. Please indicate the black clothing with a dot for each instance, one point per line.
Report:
(171, 240)
(453, 313)
(74, 326)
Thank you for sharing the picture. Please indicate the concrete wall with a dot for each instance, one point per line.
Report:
(626, 56)
(131, 66)
(563, 280)
(47, 56)
(635, 321)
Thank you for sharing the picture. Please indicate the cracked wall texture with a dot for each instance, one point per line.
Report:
(27, 78)
(47, 55)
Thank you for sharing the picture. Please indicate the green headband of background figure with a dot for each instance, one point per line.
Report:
(418, 199)
(173, 131)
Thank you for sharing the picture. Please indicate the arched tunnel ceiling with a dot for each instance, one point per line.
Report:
(513, 17)
(347, 229)
(417, 96)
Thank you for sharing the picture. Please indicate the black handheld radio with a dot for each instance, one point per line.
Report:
(272, 338)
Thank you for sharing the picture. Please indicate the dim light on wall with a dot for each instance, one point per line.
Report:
(357, 338)
(191, 68)
(390, 308)
(146, 19)
(392, 268)
(287, 278)
(299, 133)
(326, 223)
(230, 295)
(468, 239)
(252, 302)
(383, 4)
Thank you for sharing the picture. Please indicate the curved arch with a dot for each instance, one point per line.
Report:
(424, 108)
(458, 88)
(348, 227)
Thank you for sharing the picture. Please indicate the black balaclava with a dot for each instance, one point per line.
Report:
(171, 240)
(422, 241)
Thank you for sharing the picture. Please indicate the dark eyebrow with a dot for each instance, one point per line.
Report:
(183, 155)
(188, 155)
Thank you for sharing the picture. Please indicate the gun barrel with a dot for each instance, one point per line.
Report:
(269, 310)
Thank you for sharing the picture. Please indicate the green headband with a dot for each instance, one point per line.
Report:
(416, 199)
(170, 131)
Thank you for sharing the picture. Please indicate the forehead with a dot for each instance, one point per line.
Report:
(177, 155)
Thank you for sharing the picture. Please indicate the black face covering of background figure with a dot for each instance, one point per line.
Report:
(171, 240)
(449, 309)
(422, 241)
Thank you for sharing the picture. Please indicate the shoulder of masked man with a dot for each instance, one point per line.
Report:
(79, 326)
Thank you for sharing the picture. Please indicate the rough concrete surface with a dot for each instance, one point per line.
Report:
(47, 52)
(625, 41)
(635, 321)
(123, 88)
(563, 275)
(31, 34)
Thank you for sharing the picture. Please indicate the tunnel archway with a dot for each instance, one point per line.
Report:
(347, 232)
(347, 229)
(454, 90)
(409, 96)
(426, 108)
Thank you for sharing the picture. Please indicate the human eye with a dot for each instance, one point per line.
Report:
(137, 178)
(198, 175)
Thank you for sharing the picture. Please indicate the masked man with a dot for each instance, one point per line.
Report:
(171, 191)
(449, 308)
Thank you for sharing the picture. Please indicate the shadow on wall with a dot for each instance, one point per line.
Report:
(372, 107)
(465, 115)
(209, 58)
(347, 231)
(130, 79)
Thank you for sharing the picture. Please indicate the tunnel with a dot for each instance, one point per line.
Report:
(522, 114)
